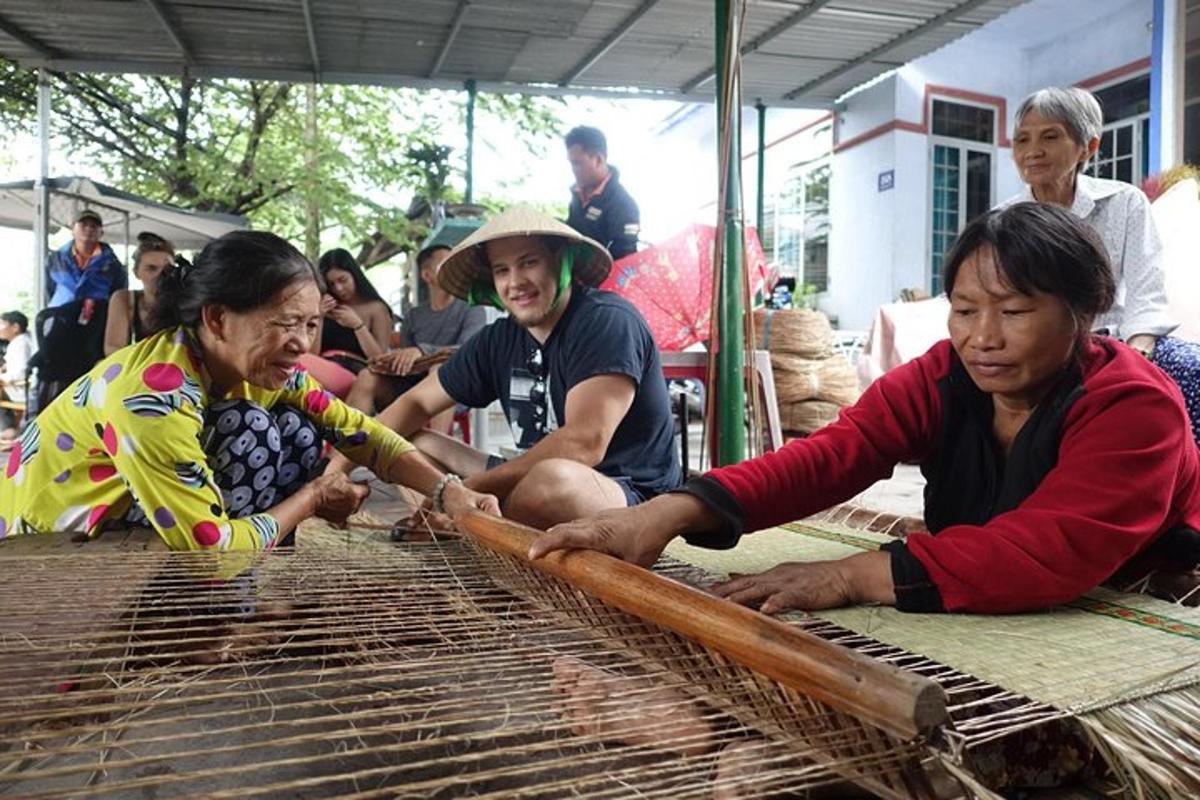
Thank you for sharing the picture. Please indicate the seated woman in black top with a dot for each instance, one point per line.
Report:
(131, 311)
(357, 323)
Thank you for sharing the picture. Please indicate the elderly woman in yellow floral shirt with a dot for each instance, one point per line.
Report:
(208, 430)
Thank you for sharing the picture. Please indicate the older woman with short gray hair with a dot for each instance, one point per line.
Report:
(1057, 131)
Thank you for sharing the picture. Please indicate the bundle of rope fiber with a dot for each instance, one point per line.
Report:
(794, 330)
(807, 416)
(831, 379)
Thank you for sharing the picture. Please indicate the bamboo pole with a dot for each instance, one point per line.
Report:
(898, 702)
(731, 395)
(760, 194)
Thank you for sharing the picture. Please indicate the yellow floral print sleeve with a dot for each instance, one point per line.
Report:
(130, 428)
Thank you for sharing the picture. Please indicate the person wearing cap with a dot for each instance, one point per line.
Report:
(575, 369)
(84, 268)
(601, 208)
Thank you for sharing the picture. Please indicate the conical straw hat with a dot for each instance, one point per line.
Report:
(466, 262)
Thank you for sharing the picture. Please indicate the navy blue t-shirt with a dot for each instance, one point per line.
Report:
(600, 333)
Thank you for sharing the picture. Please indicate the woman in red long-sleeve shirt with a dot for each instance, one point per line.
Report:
(1052, 457)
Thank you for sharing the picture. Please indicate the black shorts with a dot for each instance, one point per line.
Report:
(633, 494)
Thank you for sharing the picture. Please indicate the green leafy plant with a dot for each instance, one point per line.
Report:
(246, 147)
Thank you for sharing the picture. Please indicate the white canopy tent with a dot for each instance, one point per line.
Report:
(124, 215)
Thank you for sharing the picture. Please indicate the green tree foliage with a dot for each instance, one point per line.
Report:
(239, 147)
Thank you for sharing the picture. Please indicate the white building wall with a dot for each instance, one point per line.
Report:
(862, 227)
(785, 147)
(910, 267)
(1111, 34)
(677, 168)
(879, 241)
(874, 105)
(686, 150)
(861, 224)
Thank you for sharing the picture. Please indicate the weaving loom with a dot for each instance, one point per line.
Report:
(1124, 667)
(355, 666)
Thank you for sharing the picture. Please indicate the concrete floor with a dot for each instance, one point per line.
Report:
(902, 494)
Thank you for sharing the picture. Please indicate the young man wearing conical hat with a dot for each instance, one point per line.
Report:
(575, 369)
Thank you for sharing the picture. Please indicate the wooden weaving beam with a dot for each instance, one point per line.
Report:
(900, 703)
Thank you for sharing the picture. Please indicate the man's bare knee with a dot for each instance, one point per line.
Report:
(559, 490)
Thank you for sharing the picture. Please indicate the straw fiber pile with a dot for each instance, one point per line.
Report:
(812, 383)
(798, 331)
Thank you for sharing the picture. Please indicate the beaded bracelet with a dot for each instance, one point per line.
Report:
(439, 489)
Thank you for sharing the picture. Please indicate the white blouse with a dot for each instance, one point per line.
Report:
(16, 361)
(1120, 213)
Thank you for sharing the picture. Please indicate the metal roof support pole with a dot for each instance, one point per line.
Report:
(127, 264)
(759, 209)
(41, 221)
(470, 192)
(1166, 84)
(731, 395)
(312, 163)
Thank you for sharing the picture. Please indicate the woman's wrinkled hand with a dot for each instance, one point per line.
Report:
(624, 533)
(458, 499)
(337, 497)
(801, 586)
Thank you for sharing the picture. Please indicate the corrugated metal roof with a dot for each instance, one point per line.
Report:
(796, 52)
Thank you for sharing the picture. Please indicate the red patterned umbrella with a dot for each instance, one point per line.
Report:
(671, 283)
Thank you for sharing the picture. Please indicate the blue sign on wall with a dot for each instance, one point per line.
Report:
(886, 180)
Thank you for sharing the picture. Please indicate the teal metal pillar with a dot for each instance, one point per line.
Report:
(468, 195)
(41, 219)
(759, 210)
(731, 393)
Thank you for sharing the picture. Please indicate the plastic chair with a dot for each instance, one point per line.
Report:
(694, 365)
(462, 418)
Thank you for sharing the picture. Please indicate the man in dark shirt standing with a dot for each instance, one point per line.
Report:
(601, 209)
(575, 369)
